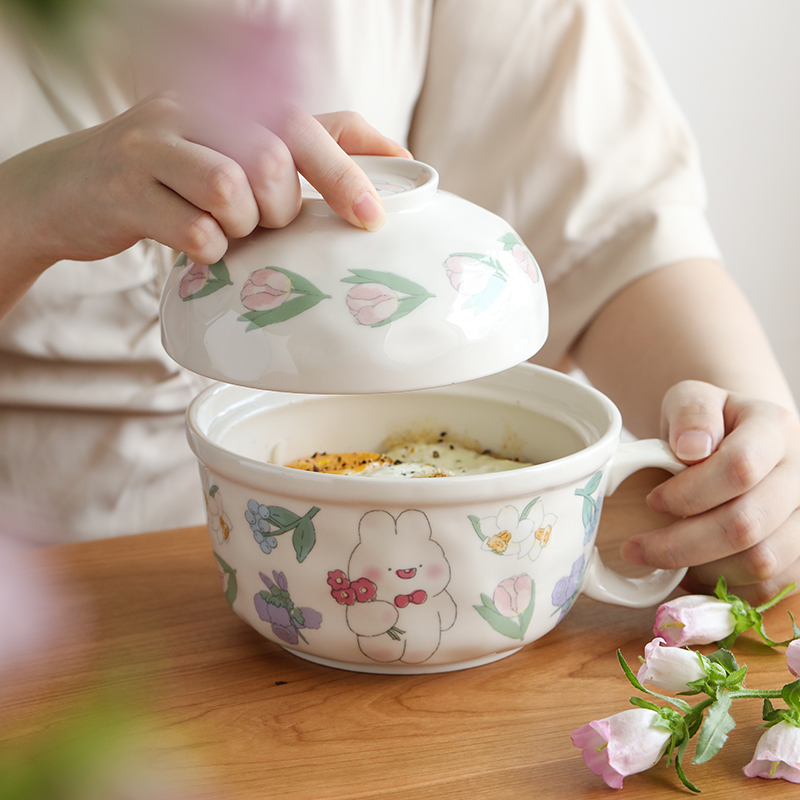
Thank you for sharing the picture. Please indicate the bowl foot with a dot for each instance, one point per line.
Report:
(403, 669)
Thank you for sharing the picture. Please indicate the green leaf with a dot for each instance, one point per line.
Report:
(509, 240)
(282, 518)
(220, 271)
(735, 679)
(300, 285)
(527, 614)
(640, 702)
(725, 658)
(476, 524)
(591, 487)
(682, 775)
(503, 625)
(304, 537)
(181, 261)
(405, 306)
(791, 695)
(715, 730)
(527, 509)
(291, 308)
(389, 279)
(210, 287)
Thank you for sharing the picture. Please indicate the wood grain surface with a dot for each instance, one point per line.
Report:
(226, 714)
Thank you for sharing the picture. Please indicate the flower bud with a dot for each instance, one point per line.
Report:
(670, 668)
(793, 657)
(265, 289)
(513, 595)
(372, 303)
(694, 619)
(467, 275)
(193, 281)
(623, 744)
(777, 754)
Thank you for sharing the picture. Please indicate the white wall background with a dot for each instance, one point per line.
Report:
(734, 66)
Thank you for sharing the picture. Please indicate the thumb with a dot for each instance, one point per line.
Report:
(692, 419)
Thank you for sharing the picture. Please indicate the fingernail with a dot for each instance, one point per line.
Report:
(633, 553)
(656, 502)
(369, 211)
(693, 446)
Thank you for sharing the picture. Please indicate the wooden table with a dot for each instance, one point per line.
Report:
(233, 716)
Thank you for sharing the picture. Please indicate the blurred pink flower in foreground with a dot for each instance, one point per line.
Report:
(266, 289)
(777, 754)
(793, 657)
(670, 668)
(694, 619)
(372, 303)
(27, 603)
(623, 744)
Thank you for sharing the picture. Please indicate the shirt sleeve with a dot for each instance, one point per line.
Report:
(554, 115)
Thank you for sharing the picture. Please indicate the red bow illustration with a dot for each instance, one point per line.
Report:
(417, 597)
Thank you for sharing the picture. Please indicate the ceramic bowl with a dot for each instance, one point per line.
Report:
(444, 292)
(422, 574)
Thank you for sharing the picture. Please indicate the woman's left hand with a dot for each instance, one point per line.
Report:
(739, 497)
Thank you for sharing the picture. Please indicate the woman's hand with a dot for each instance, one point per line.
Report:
(177, 175)
(740, 495)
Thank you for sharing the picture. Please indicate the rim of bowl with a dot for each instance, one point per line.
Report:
(348, 488)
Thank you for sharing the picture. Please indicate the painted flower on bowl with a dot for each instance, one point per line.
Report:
(193, 281)
(525, 261)
(467, 275)
(513, 534)
(275, 606)
(372, 303)
(266, 289)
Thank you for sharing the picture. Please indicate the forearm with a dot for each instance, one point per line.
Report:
(24, 251)
(684, 321)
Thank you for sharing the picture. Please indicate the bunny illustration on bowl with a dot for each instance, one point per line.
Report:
(395, 590)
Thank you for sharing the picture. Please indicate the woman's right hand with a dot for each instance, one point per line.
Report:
(161, 171)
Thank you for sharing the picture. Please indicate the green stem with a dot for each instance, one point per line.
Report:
(761, 693)
(778, 597)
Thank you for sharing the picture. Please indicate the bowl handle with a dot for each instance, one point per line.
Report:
(600, 582)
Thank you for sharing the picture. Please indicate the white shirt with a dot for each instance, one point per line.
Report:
(551, 113)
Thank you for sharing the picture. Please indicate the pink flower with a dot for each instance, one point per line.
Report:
(372, 303)
(513, 595)
(777, 754)
(670, 668)
(467, 275)
(344, 597)
(525, 261)
(694, 619)
(265, 289)
(793, 657)
(193, 280)
(623, 744)
(338, 580)
(364, 590)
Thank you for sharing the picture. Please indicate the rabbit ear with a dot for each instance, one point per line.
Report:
(376, 525)
(412, 523)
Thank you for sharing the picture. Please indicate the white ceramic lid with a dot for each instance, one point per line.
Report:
(444, 292)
